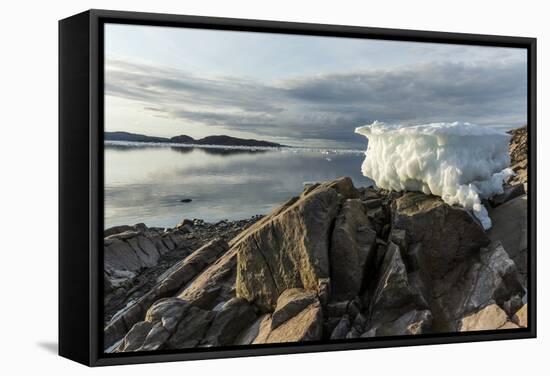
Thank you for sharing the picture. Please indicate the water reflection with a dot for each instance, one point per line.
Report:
(146, 184)
(217, 151)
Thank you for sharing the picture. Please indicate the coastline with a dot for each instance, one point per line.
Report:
(353, 262)
(170, 245)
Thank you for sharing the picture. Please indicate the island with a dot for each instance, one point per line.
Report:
(222, 140)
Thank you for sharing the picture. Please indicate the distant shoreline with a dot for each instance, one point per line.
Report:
(232, 147)
(222, 140)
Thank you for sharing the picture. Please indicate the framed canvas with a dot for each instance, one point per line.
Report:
(234, 187)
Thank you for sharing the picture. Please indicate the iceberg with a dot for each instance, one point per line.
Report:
(462, 163)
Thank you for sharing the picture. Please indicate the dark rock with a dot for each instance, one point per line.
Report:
(410, 323)
(248, 335)
(352, 245)
(449, 235)
(520, 318)
(186, 200)
(510, 192)
(233, 318)
(353, 333)
(373, 203)
(368, 193)
(341, 329)
(174, 280)
(191, 329)
(359, 322)
(159, 324)
(393, 295)
(185, 222)
(135, 337)
(337, 309)
(116, 230)
(512, 305)
(490, 278)
(510, 229)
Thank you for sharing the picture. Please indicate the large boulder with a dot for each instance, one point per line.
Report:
(394, 296)
(490, 278)
(160, 322)
(191, 329)
(216, 284)
(291, 302)
(352, 247)
(510, 229)
(191, 266)
(307, 325)
(233, 317)
(491, 317)
(448, 234)
(290, 248)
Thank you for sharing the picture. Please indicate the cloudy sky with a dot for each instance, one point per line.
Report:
(301, 90)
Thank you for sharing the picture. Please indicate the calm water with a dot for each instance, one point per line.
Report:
(146, 183)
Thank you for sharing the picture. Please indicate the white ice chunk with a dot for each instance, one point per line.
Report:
(460, 162)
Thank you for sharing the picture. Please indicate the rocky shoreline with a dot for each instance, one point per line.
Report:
(135, 257)
(337, 262)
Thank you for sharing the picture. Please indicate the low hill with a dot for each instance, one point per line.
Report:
(132, 137)
(221, 140)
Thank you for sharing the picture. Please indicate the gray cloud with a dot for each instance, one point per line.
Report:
(330, 106)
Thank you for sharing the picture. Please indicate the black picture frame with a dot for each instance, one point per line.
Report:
(81, 183)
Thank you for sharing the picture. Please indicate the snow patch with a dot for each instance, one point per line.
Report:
(460, 162)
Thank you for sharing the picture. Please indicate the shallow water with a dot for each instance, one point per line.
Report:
(146, 183)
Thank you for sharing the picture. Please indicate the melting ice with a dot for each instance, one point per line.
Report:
(460, 162)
